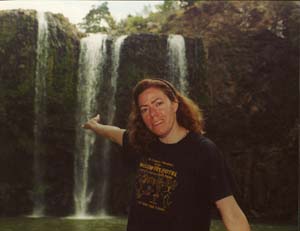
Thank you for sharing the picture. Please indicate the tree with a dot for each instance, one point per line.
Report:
(135, 24)
(147, 10)
(286, 21)
(167, 5)
(98, 19)
(187, 3)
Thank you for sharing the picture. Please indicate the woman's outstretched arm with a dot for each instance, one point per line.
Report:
(113, 133)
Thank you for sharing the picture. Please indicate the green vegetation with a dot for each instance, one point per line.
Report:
(206, 19)
(109, 224)
(133, 24)
(98, 19)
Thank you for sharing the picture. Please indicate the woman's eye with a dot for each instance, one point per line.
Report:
(144, 110)
(159, 103)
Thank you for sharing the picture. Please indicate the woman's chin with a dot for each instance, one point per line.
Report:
(156, 132)
(159, 133)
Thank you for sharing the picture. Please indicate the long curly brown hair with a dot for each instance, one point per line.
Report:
(188, 115)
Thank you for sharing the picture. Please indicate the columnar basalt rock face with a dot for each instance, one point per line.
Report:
(252, 115)
(59, 134)
(245, 86)
(18, 45)
(17, 57)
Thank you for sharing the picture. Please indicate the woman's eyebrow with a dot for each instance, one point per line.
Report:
(152, 102)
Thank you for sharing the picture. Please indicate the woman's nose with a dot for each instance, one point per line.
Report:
(153, 112)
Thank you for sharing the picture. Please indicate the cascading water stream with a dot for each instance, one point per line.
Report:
(177, 62)
(40, 114)
(111, 115)
(93, 54)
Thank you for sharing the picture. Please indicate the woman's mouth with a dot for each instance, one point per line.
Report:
(157, 123)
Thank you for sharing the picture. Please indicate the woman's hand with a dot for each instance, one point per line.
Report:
(92, 123)
(113, 133)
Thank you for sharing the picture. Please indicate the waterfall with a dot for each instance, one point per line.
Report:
(111, 116)
(177, 62)
(91, 61)
(115, 61)
(40, 114)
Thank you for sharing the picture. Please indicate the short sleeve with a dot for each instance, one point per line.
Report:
(125, 142)
(130, 157)
(220, 177)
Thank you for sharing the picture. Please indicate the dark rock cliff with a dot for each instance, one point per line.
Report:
(253, 95)
(18, 44)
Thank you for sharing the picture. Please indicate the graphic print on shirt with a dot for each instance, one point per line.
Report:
(156, 181)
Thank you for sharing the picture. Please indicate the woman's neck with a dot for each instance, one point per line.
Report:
(176, 134)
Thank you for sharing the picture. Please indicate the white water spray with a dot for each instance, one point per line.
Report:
(40, 114)
(91, 61)
(111, 116)
(177, 62)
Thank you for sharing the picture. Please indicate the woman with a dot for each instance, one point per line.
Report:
(180, 173)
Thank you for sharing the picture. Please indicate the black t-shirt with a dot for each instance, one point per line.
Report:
(176, 184)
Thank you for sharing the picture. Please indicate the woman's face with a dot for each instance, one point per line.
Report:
(158, 111)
